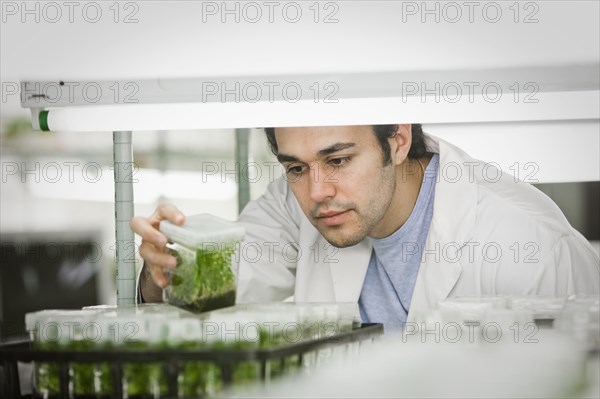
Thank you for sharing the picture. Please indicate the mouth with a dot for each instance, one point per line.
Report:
(333, 218)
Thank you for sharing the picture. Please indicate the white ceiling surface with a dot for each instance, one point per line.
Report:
(171, 40)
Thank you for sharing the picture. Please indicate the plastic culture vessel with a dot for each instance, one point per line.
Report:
(204, 247)
(195, 378)
(144, 380)
(56, 330)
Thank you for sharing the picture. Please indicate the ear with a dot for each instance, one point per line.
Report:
(400, 143)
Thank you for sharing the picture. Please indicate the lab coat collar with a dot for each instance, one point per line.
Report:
(455, 205)
(454, 216)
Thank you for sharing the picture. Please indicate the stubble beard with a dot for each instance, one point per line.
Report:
(368, 217)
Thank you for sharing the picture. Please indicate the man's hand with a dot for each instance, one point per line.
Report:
(154, 251)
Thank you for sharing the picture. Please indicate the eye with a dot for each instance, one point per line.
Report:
(337, 162)
(296, 170)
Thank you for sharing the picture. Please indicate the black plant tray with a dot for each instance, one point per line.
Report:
(226, 359)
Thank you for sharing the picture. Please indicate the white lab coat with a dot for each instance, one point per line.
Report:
(489, 235)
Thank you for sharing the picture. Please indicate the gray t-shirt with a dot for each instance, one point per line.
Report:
(395, 260)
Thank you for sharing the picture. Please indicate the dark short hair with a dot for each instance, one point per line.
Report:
(383, 133)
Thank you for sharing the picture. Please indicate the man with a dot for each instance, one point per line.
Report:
(395, 220)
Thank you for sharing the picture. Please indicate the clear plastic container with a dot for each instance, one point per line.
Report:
(542, 307)
(280, 324)
(146, 331)
(45, 332)
(470, 308)
(580, 318)
(204, 278)
(144, 308)
(74, 330)
(234, 329)
(195, 378)
(289, 322)
(93, 379)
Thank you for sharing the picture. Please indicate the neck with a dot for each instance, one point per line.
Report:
(409, 178)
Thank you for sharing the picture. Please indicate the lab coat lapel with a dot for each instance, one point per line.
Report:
(454, 212)
(329, 274)
(348, 273)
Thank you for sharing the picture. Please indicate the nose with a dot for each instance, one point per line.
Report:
(321, 188)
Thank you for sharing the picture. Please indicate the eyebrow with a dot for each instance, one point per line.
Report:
(322, 153)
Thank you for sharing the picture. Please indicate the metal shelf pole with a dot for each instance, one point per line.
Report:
(125, 244)
(242, 137)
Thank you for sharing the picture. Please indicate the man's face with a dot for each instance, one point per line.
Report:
(338, 177)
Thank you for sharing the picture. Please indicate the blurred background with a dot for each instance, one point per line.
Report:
(57, 193)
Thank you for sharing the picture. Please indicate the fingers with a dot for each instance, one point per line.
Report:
(157, 259)
(149, 233)
(152, 248)
(167, 212)
(157, 256)
(158, 276)
(147, 228)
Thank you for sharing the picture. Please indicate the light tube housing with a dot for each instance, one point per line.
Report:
(504, 95)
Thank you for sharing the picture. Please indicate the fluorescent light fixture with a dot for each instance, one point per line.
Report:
(551, 106)
(526, 94)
